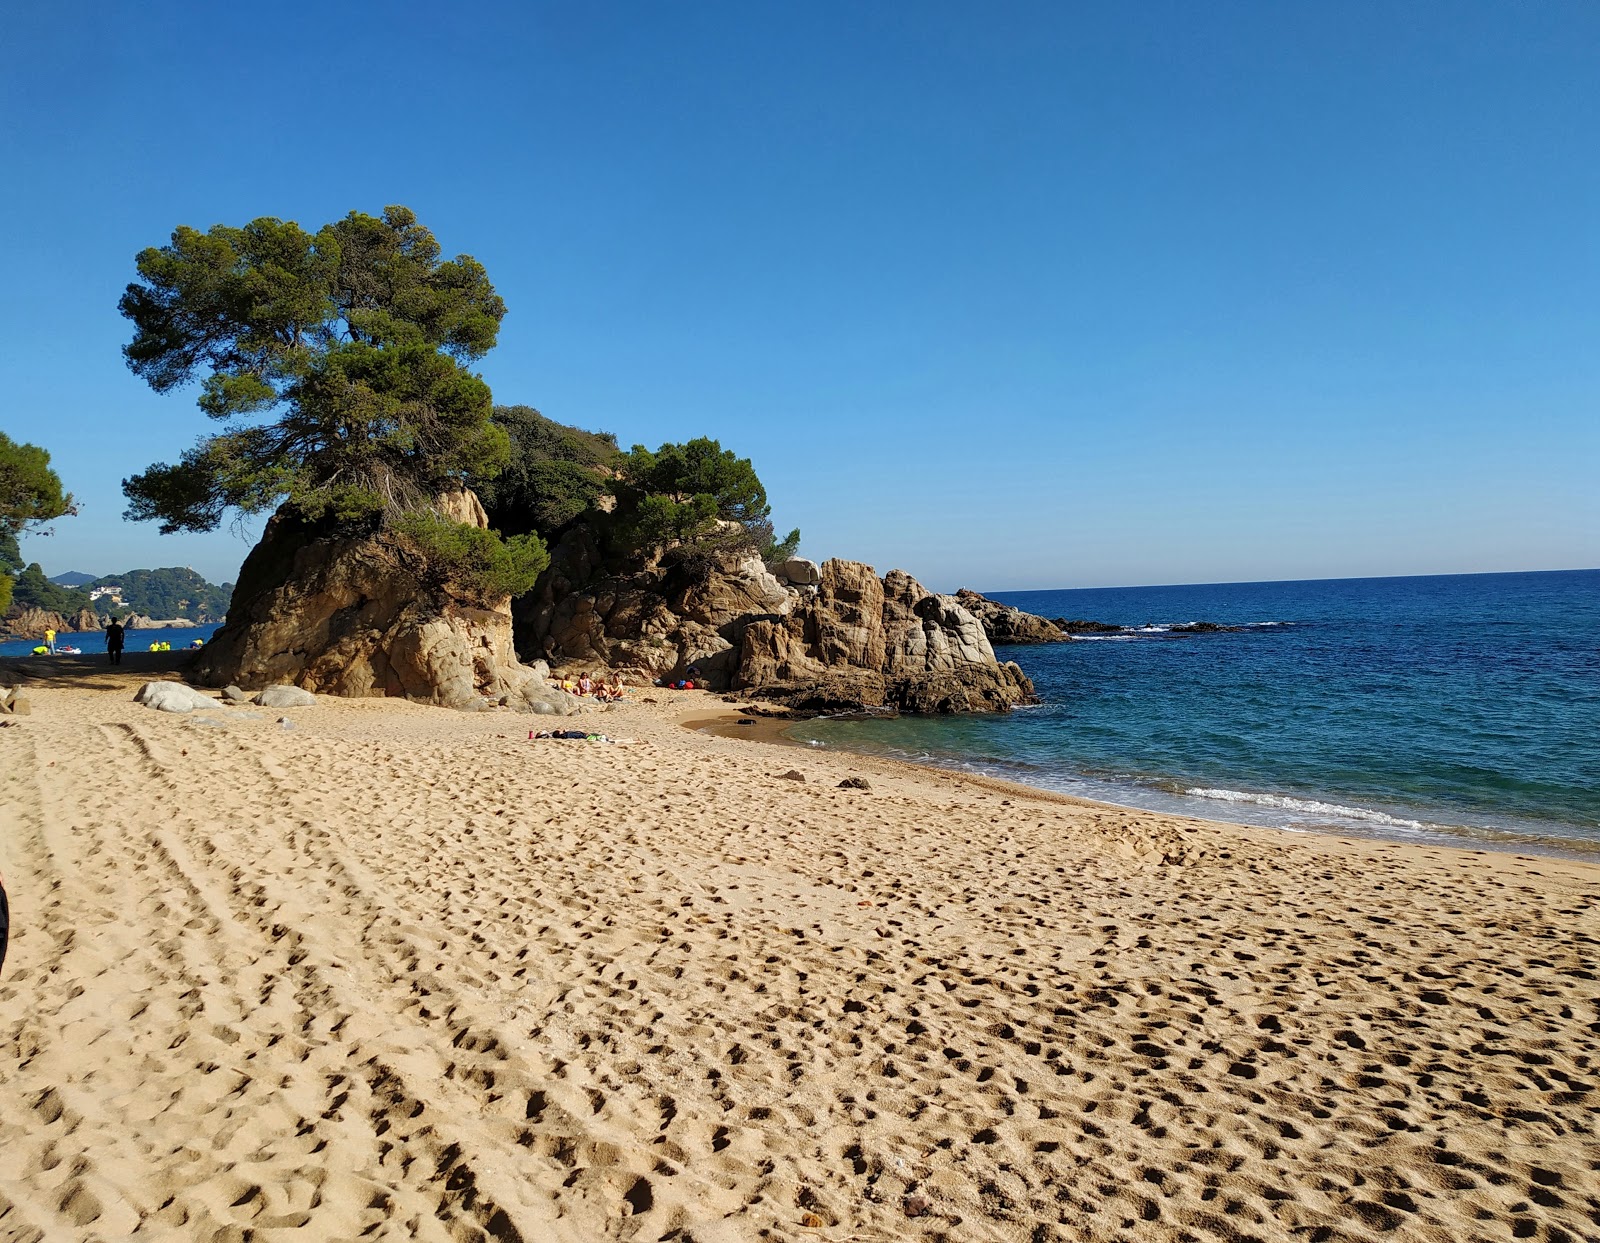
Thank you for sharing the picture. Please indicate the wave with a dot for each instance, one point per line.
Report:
(1309, 806)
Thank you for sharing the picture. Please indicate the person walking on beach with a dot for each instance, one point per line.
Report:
(114, 637)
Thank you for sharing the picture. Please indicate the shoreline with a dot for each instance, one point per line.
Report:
(413, 973)
(770, 731)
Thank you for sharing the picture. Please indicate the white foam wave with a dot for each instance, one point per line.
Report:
(1305, 806)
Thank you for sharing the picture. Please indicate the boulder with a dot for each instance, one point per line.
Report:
(361, 615)
(283, 696)
(1070, 627)
(537, 696)
(172, 697)
(800, 572)
(1006, 625)
(234, 695)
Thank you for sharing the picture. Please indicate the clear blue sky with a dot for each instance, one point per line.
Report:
(1006, 295)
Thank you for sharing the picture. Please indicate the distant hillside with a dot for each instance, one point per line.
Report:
(72, 578)
(171, 592)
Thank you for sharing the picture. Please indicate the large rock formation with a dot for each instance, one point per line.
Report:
(863, 643)
(357, 616)
(830, 638)
(1007, 625)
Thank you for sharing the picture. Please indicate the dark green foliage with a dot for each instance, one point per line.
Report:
(171, 592)
(555, 473)
(470, 562)
(32, 590)
(698, 497)
(30, 494)
(336, 357)
(778, 551)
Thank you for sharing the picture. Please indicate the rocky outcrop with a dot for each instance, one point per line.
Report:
(138, 621)
(656, 620)
(833, 637)
(1080, 626)
(363, 616)
(1007, 625)
(862, 643)
(32, 623)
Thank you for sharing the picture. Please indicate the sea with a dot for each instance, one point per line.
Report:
(1457, 709)
(133, 640)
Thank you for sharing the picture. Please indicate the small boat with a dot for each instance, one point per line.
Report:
(69, 651)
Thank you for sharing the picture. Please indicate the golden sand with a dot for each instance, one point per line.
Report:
(399, 972)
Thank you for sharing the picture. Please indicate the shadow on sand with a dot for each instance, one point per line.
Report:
(93, 672)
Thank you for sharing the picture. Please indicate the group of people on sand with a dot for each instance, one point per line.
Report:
(603, 690)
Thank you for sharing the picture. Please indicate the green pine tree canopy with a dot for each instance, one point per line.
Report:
(335, 359)
(30, 494)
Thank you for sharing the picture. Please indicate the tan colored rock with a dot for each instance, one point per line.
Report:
(353, 617)
(32, 623)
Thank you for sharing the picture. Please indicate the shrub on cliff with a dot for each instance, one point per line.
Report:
(554, 473)
(335, 359)
(697, 499)
(471, 563)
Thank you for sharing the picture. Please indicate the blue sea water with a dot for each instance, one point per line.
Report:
(95, 640)
(1462, 709)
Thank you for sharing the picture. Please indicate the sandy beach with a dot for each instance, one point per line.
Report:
(399, 972)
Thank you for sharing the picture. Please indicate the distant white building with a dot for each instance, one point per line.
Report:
(113, 593)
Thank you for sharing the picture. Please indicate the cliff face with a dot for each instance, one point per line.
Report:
(352, 617)
(830, 638)
(861, 642)
(32, 623)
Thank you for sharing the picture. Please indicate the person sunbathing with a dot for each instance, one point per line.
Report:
(585, 684)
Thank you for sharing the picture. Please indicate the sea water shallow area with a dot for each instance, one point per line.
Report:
(89, 642)
(1461, 709)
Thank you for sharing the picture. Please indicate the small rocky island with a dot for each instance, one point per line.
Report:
(426, 543)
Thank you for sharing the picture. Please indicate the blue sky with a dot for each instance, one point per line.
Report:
(1008, 296)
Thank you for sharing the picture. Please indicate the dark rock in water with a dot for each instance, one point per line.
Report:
(855, 783)
(1005, 624)
(744, 721)
(1085, 627)
(1203, 628)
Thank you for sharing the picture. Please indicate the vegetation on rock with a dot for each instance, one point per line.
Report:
(555, 473)
(472, 563)
(337, 361)
(699, 499)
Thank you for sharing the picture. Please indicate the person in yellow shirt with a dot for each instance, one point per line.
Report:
(50, 641)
